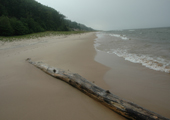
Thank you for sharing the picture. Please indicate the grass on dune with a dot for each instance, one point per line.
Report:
(38, 35)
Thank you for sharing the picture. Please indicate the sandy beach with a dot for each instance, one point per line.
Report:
(26, 93)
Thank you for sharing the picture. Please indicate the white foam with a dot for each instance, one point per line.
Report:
(120, 36)
(100, 35)
(155, 63)
(158, 64)
(96, 43)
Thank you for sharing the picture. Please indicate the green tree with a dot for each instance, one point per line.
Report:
(18, 27)
(34, 26)
(5, 26)
(3, 10)
(31, 16)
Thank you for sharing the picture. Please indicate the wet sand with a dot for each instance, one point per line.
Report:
(136, 83)
(26, 93)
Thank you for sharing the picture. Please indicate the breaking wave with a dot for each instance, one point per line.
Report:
(149, 61)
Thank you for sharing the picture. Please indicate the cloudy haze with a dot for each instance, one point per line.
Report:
(114, 14)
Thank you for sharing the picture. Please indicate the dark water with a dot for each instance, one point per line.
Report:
(150, 47)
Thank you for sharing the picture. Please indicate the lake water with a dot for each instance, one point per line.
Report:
(150, 47)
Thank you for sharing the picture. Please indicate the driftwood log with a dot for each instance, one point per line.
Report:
(125, 108)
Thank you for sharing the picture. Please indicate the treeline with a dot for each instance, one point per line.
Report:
(19, 17)
(77, 26)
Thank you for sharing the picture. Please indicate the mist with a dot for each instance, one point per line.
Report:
(114, 14)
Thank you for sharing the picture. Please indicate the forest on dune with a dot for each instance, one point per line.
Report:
(20, 17)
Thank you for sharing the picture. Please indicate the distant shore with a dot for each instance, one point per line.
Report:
(27, 93)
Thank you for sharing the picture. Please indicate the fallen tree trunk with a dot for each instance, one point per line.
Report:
(125, 108)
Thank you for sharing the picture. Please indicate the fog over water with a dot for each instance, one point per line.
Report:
(114, 14)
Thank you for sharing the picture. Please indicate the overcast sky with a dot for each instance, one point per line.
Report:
(114, 14)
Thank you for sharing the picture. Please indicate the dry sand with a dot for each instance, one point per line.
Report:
(26, 93)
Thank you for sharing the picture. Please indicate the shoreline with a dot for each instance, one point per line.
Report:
(28, 93)
(136, 83)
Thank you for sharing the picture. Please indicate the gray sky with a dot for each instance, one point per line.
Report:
(114, 14)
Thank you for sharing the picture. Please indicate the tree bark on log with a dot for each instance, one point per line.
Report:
(125, 108)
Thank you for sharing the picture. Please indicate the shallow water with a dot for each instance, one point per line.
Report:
(150, 47)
